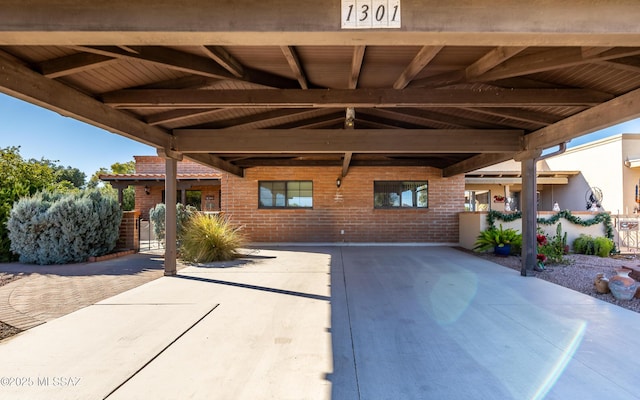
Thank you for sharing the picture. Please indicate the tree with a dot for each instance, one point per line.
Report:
(19, 178)
(128, 194)
(69, 174)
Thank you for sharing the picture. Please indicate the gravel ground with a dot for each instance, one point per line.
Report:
(7, 330)
(577, 274)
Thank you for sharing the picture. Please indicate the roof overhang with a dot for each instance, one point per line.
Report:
(243, 84)
(515, 177)
(183, 180)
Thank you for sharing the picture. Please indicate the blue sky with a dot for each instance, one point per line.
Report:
(43, 133)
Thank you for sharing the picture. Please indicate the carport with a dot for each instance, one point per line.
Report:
(239, 84)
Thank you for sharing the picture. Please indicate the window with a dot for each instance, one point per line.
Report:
(286, 194)
(400, 194)
(192, 197)
(477, 200)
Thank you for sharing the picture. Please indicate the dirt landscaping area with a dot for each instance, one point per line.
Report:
(578, 273)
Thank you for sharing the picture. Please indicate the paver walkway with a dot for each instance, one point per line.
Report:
(46, 292)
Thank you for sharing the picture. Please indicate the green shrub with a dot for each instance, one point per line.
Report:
(56, 228)
(583, 244)
(158, 214)
(602, 246)
(210, 238)
(497, 237)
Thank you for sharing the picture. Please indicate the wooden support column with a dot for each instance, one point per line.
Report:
(170, 182)
(529, 216)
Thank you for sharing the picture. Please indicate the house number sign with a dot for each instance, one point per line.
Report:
(370, 14)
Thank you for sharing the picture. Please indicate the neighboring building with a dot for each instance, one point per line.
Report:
(604, 173)
(498, 187)
(314, 204)
(610, 166)
(198, 185)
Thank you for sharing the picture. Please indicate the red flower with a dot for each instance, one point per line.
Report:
(541, 257)
(542, 240)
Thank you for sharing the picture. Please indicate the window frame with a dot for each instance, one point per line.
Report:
(286, 191)
(401, 183)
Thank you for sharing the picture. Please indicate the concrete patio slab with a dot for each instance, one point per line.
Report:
(333, 323)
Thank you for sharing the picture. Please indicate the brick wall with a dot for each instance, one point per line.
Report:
(128, 238)
(156, 165)
(349, 208)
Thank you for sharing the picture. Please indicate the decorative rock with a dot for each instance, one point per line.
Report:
(601, 283)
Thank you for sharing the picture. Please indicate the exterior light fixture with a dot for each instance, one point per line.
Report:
(350, 117)
(147, 190)
(338, 182)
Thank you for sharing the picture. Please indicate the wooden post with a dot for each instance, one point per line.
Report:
(529, 216)
(170, 182)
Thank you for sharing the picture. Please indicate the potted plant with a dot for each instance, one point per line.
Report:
(501, 240)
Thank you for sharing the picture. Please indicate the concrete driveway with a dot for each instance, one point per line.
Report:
(333, 323)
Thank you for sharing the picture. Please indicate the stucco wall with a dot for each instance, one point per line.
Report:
(348, 208)
(601, 164)
(472, 223)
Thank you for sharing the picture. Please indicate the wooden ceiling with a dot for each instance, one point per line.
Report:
(240, 84)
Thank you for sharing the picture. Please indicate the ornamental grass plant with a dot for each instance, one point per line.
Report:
(209, 238)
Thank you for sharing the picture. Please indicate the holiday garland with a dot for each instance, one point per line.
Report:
(603, 217)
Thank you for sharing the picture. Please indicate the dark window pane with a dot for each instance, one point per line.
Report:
(293, 194)
(391, 194)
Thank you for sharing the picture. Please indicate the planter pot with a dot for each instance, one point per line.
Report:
(503, 250)
(601, 283)
(622, 286)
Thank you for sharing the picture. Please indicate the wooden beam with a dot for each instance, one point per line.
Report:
(423, 117)
(165, 57)
(588, 51)
(224, 59)
(616, 111)
(490, 60)
(356, 66)
(179, 115)
(338, 98)
(292, 22)
(217, 163)
(346, 160)
(73, 64)
(261, 141)
(550, 60)
(630, 65)
(518, 114)
(263, 118)
(424, 57)
(475, 162)
(317, 121)
(296, 66)
(22, 83)
(380, 118)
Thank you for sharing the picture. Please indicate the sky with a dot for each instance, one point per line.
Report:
(41, 133)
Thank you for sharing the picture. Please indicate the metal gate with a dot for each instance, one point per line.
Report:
(147, 237)
(626, 233)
